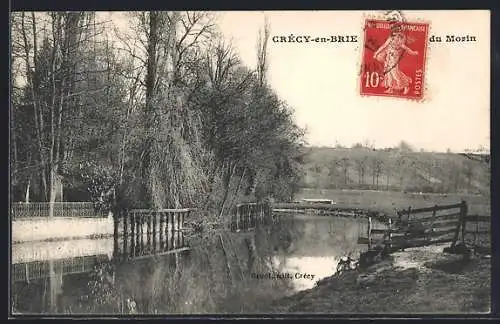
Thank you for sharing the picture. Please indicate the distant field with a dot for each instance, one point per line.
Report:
(395, 170)
(388, 200)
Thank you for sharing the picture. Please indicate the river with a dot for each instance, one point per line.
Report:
(216, 272)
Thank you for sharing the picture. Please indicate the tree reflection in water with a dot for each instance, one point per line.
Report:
(209, 278)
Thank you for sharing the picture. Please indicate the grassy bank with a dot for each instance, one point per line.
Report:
(388, 200)
(417, 281)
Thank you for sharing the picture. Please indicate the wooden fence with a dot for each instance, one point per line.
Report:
(438, 224)
(143, 232)
(477, 232)
(61, 209)
(248, 215)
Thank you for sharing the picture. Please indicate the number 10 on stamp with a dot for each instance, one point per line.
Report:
(393, 60)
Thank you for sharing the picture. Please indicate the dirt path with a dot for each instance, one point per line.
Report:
(416, 281)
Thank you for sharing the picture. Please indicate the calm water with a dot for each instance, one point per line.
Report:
(223, 272)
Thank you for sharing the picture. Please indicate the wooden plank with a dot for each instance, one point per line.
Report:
(483, 249)
(446, 223)
(362, 240)
(436, 233)
(437, 208)
(379, 231)
(475, 218)
(160, 210)
(442, 232)
(175, 251)
(408, 245)
(436, 219)
(484, 231)
(365, 240)
(448, 216)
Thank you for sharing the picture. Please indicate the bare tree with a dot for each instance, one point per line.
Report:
(378, 167)
(361, 167)
(262, 63)
(345, 164)
(51, 72)
(468, 168)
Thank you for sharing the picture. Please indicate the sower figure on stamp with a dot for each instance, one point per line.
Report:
(390, 54)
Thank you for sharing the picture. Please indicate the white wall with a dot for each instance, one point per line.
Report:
(40, 229)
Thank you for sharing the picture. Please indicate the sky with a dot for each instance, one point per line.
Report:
(320, 80)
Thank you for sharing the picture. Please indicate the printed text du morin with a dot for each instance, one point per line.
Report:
(291, 38)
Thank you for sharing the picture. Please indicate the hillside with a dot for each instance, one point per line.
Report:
(395, 169)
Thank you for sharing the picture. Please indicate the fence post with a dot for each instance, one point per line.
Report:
(463, 215)
(141, 226)
(390, 233)
(155, 215)
(132, 233)
(369, 232)
(116, 223)
(460, 224)
(124, 216)
(160, 228)
(149, 216)
(237, 217)
(477, 229)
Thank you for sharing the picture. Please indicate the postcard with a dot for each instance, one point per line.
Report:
(250, 163)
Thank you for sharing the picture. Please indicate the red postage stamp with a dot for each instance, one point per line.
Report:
(393, 59)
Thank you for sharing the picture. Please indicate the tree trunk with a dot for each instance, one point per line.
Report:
(37, 111)
(124, 137)
(235, 195)
(149, 114)
(227, 183)
(27, 196)
(52, 197)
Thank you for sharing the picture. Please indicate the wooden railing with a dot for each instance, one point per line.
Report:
(61, 209)
(437, 224)
(143, 232)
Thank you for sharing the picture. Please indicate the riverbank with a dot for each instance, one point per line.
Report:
(416, 281)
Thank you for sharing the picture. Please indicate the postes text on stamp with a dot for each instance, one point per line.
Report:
(393, 59)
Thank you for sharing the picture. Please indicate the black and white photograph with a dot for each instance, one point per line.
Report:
(240, 163)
